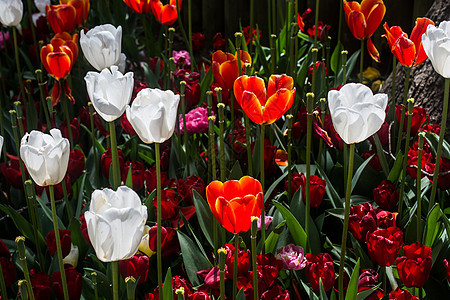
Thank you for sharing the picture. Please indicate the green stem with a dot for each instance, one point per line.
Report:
(261, 166)
(314, 52)
(130, 282)
(222, 252)
(13, 115)
(309, 109)
(236, 258)
(254, 235)
(405, 158)
(94, 148)
(67, 116)
(348, 193)
(3, 285)
(274, 17)
(158, 219)
(115, 156)
(94, 283)
(419, 187)
(289, 152)
(316, 23)
(186, 40)
(66, 200)
(247, 145)
(115, 279)
(402, 118)
(288, 23)
(273, 59)
(252, 9)
(269, 16)
(190, 27)
(291, 49)
(221, 107)
(361, 62)
(440, 143)
(19, 71)
(183, 114)
(345, 154)
(20, 241)
(384, 280)
(393, 100)
(41, 85)
(344, 54)
(146, 34)
(58, 243)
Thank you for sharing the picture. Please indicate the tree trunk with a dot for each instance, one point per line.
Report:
(426, 86)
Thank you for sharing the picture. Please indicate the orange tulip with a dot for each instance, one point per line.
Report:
(261, 106)
(82, 8)
(234, 202)
(166, 14)
(363, 19)
(226, 67)
(62, 18)
(408, 51)
(139, 6)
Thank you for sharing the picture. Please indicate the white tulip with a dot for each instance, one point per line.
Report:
(1, 144)
(115, 223)
(41, 4)
(11, 12)
(356, 113)
(102, 46)
(46, 156)
(436, 43)
(153, 114)
(72, 257)
(110, 92)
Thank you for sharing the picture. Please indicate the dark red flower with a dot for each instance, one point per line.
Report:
(66, 242)
(106, 161)
(127, 126)
(83, 229)
(383, 135)
(386, 195)
(199, 295)
(297, 181)
(85, 119)
(75, 128)
(4, 251)
(198, 41)
(447, 268)
(137, 266)
(150, 179)
(413, 158)
(169, 244)
(316, 190)
(41, 284)
(362, 219)
(246, 32)
(435, 128)
(74, 280)
(400, 294)
(177, 282)
(384, 245)
(321, 70)
(375, 161)
(186, 186)
(11, 172)
(419, 117)
(9, 270)
(367, 280)
(415, 265)
(275, 293)
(268, 269)
(169, 204)
(243, 261)
(76, 164)
(443, 180)
(218, 41)
(59, 191)
(137, 174)
(386, 219)
(320, 266)
(307, 25)
(335, 138)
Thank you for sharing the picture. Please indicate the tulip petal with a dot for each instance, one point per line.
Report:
(373, 52)
(218, 79)
(277, 105)
(416, 38)
(405, 51)
(168, 15)
(229, 71)
(59, 64)
(277, 82)
(436, 44)
(373, 11)
(357, 24)
(252, 107)
(252, 84)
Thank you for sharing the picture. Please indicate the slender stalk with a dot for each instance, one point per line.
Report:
(20, 241)
(222, 252)
(58, 243)
(288, 22)
(346, 217)
(314, 52)
(29, 192)
(322, 105)
(16, 53)
(66, 200)
(64, 101)
(289, 119)
(114, 156)
(236, 258)
(23, 285)
(269, 16)
(221, 108)
(94, 148)
(316, 23)
(344, 54)
(273, 59)
(190, 27)
(183, 113)
(254, 267)
(419, 187)
(293, 34)
(309, 109)
(115, 279)
(41, 85)
(13, 115)
(261, 166)
(130, 281)
(384, 280)
(158, 219)
(361, 62)
(405, 158)
(186, 40)
(402, 118)
(94, 282)
(274, 17)
(440, 143)
(393, 100)
(3, 285)
(247, 144)
(252, 9)
(341, 8)
(180, 293)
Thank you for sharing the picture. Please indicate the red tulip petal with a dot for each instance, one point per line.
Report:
(56, 94)
(373, 11)
(213, 191)
(300, 23)
(68, 92)
(392, 34)
(245, 57)
(218, 79)
(416, 38)
(373, 52)
(281, 158)
(59, 64)
(252, 107)
(44, 52)
(277, 105)
(168, 15)
(357, 24)
(249, 185)
(252, 84)
(229, 72)
(219, 56)
(405, 51)
(277, 82)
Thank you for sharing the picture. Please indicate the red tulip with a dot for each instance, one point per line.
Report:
(386, 219)
(415, 265)
(316, 190)
(275, 293)
(185, 188)
(106, 161)
(41, 284)
(413, 159)
(66, 242)
(233, 203)
(418, 118)
(169, 242)
(74, 283)
(226, 67)
(264, 106)
(9, 270)
(166, 14)
(363, 19)
(137, 266)
(367, 280)
(408, 51)
(169, 204)
(11, 172)
(297, 181)
(320, 266)
(383, 245)
(59, 56)
(386, 195)
(140, 6)
(81, 7)
(243, 261)
(76, 164)
(443, 180)
(362, 220)
(447, 268)
(400, 294)
(75, 128)
(62, 18)
(375, 161)
(137, 174)
(198, 41)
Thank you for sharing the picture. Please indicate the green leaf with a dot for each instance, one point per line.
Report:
(297, 232)
(205, 85)
(335, 57)
(236, 172)
(330, 190)
(262, 56)
(204, 216)
(240, 295)
(193, 260)
(433, 140)
(381, 155)
(272, 239)
(359, 172)
(366, 293)
(432, 226)
(350, 65)
(80, 195)
(397, 168)
(323, 294)
(99, 146)
(167, 289)
(273, 186)
(48, 212)
(352, 288)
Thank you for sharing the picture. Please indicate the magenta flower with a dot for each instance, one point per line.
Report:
(267, 222)
(292, 256)
(196, 121)
(182, 57)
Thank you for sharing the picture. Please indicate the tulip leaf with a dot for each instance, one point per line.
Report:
(329, 189)
(206, 84)
(297, 232)
(193, 260)
(322, 293)
(80, 194)
(48, 212)
(432, 226)
(381, 155)
(352, 288)
(309, 291)
(359, 172)
(129, 181)
(204, 216)
(236, 171)
(336, 57)
(433, 140)
(397, 168)
(99, 146)
(262, 56)
(350, 65)
(272, 239)
(366, 293)
(167, 286)
(273, 186)
(76, 236)
(278, 135)
(240, 295)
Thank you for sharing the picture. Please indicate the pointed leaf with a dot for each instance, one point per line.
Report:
(352, 288)
(297, 232)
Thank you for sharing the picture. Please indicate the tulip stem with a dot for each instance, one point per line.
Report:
(254, 267)
(186, 40)
(348, 193)
(289, 152)
(392, 106)
(43, 99)
(247, 145)
(158, 219)
(441, 140)
(405, 158)
(3, 285)
(269, 17)
(66, 200)
(221, 107)
(384, 280)
(222, 252)
(183, 114)
(273, 59)
(114, 156)
(115, 279)
(261, 165)
(316, 23)
(58, 242)
(66, 115)
(20, 241)
(252, 9)
(309, 110)
(402, 118)
(274, 17)
(94, 148)
(419, 187)
(235, 266)
(314, 53)
(361, 63)
(16, 53)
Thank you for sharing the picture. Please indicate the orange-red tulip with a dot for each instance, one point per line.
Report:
(139, 6)
(261, 106)
(408, 51)
(363, 19)
(62, 18)
(82, 8)
(166, 14)
(234, 202)
(226, 67)
(59, 56)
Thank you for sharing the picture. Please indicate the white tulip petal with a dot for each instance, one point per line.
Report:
(436, 43)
